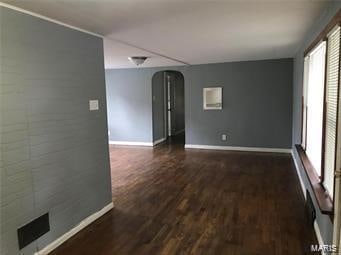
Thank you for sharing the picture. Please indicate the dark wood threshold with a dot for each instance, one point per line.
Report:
(323, 199)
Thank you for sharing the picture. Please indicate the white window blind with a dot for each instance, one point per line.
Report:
(332, 88)
(314, 109)
(305, 88)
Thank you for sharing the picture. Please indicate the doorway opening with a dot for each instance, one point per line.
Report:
(168, 95)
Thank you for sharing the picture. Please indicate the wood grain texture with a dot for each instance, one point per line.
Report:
(322, 197)
(174, 201)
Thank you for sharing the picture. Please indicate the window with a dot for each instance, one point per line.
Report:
(315, 63)
(320, 107)
(332, 92)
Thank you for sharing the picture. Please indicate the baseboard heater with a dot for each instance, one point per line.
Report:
(310, 209)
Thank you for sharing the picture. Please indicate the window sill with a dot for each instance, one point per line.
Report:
(323, 199)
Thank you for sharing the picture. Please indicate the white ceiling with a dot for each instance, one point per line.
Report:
(191, 31)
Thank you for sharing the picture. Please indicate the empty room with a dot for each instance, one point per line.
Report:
(159, 127)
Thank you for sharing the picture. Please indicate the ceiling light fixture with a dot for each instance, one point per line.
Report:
(137, 60)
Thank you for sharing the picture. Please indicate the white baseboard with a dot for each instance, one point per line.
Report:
(299, 175)
(179, 132)
(87, 221)
(159, 141)
(319, 237)
(234, 148)
(131, 143)
(138, 143)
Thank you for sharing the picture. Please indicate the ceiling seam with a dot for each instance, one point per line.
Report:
(88, 32)
(149, 51)
(12, 7)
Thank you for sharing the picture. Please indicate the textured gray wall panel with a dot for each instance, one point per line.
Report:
(54, 150)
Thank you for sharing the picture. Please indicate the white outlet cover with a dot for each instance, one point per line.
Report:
(93, 105)
(224, 137)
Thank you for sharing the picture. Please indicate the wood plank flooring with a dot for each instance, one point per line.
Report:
(174, 201)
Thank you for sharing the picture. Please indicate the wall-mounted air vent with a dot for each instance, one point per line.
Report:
(33, 230)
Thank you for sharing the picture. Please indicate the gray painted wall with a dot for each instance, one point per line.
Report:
(129, 97)
(257, 109)
(129, 105)
(323, 221)
(257, 99)
(54, 152)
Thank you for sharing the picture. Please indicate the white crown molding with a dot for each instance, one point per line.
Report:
(235, 148)
(87, 221)
(49, 19)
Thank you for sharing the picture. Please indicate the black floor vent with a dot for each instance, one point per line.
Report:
(33, 230)
(309, 206)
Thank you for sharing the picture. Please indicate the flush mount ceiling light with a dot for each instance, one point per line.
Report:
(137, 60)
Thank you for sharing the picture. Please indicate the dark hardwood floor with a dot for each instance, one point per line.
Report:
(174, 201)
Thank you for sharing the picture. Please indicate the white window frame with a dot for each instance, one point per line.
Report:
(326, 176)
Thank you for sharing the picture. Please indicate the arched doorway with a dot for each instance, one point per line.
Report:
(168, 95)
